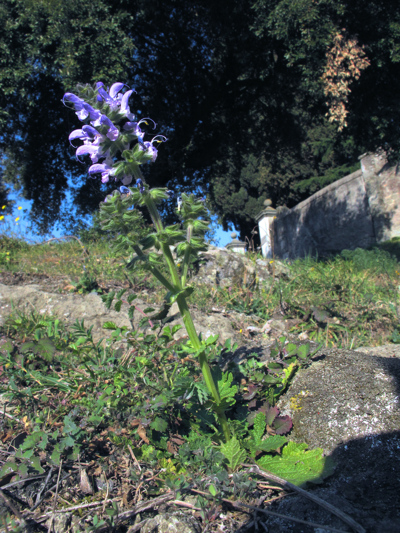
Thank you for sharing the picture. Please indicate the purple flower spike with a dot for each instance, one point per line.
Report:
(113, 132)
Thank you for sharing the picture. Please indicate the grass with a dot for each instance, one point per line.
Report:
(136, 419)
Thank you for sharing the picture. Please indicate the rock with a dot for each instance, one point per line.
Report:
(90, 307)
(342, 396)
(224, 268)
(172, 523)
(347, 402)
(60, 522)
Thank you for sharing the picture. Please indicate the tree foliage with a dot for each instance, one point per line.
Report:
(271, 100)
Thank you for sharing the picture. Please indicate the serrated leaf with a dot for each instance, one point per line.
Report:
(131, 297)
(118, 306)
(271, 444)
(233, 453)
(108, 299)
(159, 424)
(46, 349)
(259, 428)
(303, 350)
(120, 293)
(110, 325)
(282, 424)
(271, 414)
(226, 390)
(212, 339)
(298, 465)
(202, 392)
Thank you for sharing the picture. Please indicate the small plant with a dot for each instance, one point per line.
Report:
(86, 284)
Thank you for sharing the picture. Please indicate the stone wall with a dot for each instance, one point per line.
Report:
(358, 210)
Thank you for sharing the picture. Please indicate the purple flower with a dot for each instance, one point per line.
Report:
(95, 152)
(124, 190)
(105, 169)
(150, 149)
(88, 135)
(125, 110)
(113, 131)
(134, 127)
(112, 98)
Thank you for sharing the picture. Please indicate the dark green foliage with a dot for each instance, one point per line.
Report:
(245, 122)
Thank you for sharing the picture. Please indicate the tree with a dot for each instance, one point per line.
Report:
(242, 92)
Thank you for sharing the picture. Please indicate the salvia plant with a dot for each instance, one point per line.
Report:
(113, 139)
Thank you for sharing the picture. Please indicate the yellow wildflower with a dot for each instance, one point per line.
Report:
(16, 220)
(19, 207)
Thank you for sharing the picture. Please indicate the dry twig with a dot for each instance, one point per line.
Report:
(55, 499)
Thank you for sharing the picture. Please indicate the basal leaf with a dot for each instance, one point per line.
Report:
(233, 453)
(272, 443)
(271, 414)
(298, 465)
(282, 425)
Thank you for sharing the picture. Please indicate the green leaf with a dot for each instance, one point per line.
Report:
(212, 490)
(159, 424)
(259, 428)
(46, 349)
(233, 453)
(291, 349)
(303, 350)
(118, 306)
(108, 298)
(298, 465)
(110, 325)
(120, 293)
(226, 390)
(35, 463)
(56, 455)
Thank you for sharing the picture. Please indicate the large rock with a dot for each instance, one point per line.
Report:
(347, 402)
(224, 268)
(90, 308)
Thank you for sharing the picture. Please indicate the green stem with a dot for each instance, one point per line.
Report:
(187, 255)
(184, 309)
(205, 367)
